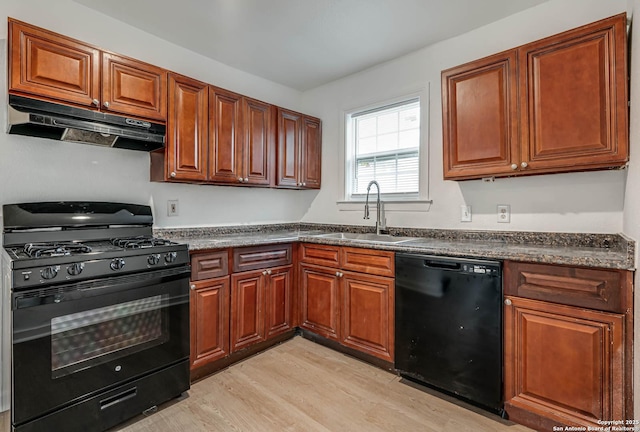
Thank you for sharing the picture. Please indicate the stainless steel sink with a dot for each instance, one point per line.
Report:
(366, 237)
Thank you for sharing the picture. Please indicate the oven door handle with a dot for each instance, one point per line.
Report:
(63, 293)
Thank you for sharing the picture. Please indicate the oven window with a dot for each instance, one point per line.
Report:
(86, 339)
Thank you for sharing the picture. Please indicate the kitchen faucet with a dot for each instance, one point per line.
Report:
(380, 222)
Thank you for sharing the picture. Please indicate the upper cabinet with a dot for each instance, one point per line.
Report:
(215, 136)
(133, 88)
(555, 105)
(50, 66)
(299, 150)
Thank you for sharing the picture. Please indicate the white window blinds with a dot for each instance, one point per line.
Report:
(385, 145)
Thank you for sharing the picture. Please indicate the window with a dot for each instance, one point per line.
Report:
(383, 144)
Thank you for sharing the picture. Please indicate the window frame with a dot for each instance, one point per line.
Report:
(420, 197)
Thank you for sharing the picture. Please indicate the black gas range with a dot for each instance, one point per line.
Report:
(99, 314)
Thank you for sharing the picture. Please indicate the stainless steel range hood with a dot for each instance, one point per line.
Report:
(38, 118)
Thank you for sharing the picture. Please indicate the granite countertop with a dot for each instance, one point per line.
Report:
(590, 250)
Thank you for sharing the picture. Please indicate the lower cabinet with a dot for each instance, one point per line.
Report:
(209, 321)
(564, 363)
(368, 314)
(261, 305)
(320, 300)
(353, 308)
(567, 364)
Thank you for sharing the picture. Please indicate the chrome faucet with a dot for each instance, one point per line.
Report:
(380, 222)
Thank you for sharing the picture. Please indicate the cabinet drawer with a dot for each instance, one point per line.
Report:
(370, 261)
(209, 265)
(601, 289)
(320, 254)
(261, 257)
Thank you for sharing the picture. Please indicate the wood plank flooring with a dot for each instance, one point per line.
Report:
(302, 386)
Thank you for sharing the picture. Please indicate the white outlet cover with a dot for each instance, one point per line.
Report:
(172, 208)
(504, 213)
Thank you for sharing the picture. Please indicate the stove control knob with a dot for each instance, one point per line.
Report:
(171, 257)
(153, 259)
(49, 272)
(75, 269)
(117, 263)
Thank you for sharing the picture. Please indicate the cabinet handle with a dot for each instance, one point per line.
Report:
(173, 174)
(514, 166)
(96, 102)
(106, 104)
(507, 302)
(524, 164)
(193, 286)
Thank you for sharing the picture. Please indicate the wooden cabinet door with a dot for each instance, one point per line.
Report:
(563, 365)
(247, 322)
(225, 136)
(209, 321)
(52, 66)
(311, 153)
(133, 88)
(573, 90)
(320, 301)
(187, 135)
(368, 314)
(480, 118)
(288, 150)
(278, 301)
(259, 127)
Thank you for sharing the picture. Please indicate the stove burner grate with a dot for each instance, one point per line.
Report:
(139, 242)
(37, 250)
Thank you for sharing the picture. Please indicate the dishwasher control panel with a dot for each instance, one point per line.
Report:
(479, 269)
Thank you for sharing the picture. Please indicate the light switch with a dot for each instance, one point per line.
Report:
(465, 213)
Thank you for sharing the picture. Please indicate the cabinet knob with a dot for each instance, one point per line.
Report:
(514, 166)
(524, 164)
(269, 271)
(193, 286)
(240, 179)
(96, 102)
(106, 104)
(246, 179)
(173, 174)
(338, 274)
(304, 183)
(264, 272)
(507, 302)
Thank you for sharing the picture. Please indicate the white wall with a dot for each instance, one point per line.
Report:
(631, 220)
(576, 202)
(37, 169)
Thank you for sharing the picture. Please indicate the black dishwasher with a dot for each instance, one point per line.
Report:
(449, 326)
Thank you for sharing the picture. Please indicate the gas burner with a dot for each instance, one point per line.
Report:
(37, 250)
(139, 242)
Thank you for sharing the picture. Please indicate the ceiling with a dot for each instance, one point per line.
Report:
(306, 43)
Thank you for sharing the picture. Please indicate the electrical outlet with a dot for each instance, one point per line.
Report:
(504, 213)
(172, 208)
(465, 213)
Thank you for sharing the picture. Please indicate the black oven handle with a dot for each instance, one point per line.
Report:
(63, 293)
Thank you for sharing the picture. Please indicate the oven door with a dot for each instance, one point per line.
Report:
(71, 342)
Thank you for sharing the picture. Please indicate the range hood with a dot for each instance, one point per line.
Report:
(38, 118)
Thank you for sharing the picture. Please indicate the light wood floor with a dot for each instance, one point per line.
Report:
(303, 386)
